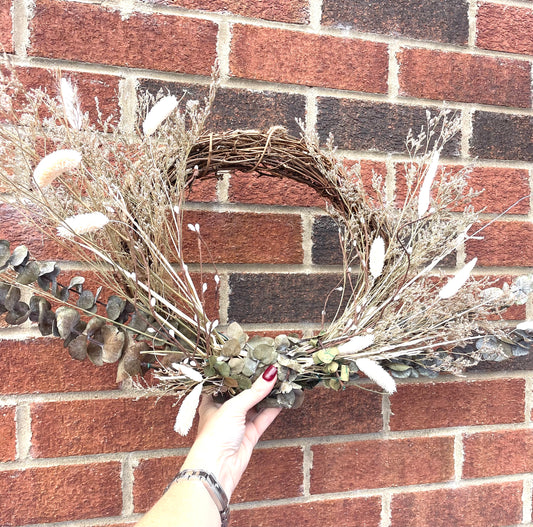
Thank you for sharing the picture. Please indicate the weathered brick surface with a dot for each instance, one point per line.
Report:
(294, 11)
(91, 33)
(52, 369)
(473, 506)
(502, 136)
(499, 188)
(503, 244)
(381, 463)
(282, 298)
(347, 512)
(292, 57)
(60, 493)
(70, 428)
(8, 447)
(90, 86)
(6, 26)
(251, 188)
(239, 109)
(420, 19)
(272, 474)
(505, 28)
(440, 405)
(433, 74)
(326, 412)
(240, 237)
(326, 243)
(498, 453)
(363, 125)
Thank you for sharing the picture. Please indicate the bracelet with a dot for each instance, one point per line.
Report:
(212, 486)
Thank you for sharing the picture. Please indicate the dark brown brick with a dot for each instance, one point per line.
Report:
(6, 26)
(8, 445)
(326, 242)
(420, 19)
(240, 237)
(505, 28)
(292, 57)
(92, 33)
(325, 412)
(362, 125)
(502, 136)
(498, 453)
(381, 463)
(282, 298)
(433, 74)
(71, 428)
(473, 506)
(503, 243)
(294, 11)
(439, 405)
(52, 369)
(239, 109)
(347, 512)
(272, 474)
(60, 493)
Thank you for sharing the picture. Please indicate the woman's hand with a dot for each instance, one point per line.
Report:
(227, 433)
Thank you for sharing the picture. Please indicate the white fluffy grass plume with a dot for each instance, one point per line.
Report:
(55, 164)
(82, 224)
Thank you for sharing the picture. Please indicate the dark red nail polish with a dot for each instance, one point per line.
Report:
(270, 373)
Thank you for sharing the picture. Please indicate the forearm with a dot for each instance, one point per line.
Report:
(186, 503)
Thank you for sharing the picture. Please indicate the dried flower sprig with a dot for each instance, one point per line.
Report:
(118, 203)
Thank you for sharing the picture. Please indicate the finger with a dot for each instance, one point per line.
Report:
(264, 419)
(247, 399)
(207, 404)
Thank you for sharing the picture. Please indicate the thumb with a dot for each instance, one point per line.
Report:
(259, 390)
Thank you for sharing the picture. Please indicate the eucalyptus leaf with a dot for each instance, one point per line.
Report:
(48, 268)
(5, 253)
(113, 340)
(66, 318)
(114, 307)
(138, 322)
(12, 297)
(76, 282)
(19, 256)
(95, 324)
(85, 300)
(77, 348)
(18, 315)
(94, 353)
(29, 273)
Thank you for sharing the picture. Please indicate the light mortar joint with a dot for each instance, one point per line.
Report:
(23, 431)
(386, 413)
(127, 478)
(527, 494)
(528, 406)
(307, 465)
(393, 79)
(386, 511)
(472, 18)
(390, 178)
(128, 104)
(311, 111)
(315, 14)
(466, 132)
(307, 239)
(224, 48)
(458, 456)
(223, 295)
(22, 13)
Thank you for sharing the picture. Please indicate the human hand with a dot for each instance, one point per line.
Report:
(228, 433)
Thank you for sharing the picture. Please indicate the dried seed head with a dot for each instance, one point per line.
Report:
(55, 164)
(160, 111)
(82, 224)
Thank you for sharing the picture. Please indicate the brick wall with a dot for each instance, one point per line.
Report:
(445, 453)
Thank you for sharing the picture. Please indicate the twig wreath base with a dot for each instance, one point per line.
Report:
(116, 201)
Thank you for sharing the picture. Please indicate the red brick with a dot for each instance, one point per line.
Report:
(480, 506)
(325, 412)
(272, 474)
(6, 26)
(513, 312)
(61, 493)
(8, 444)
(244, 238)
(432, 74)
(90, 86)
(292, 57)
(504, 243)
(498, 453)
(347, 512)
(295, 11)
(202, 191)
(505, 28)
(70, 428)
(500, 188)
(439, 405)
(91, 33)
(52, 369)
(375, 464)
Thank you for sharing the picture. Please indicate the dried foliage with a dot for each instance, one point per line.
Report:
(116, 200)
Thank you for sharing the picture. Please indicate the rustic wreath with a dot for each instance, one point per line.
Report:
(116, 200)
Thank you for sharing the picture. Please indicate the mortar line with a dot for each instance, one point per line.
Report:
(458, 456)
(527, 494)
(23, 431)
(224, 48)
(472, 19)
(128, 103)
(127, 479)
(386, 509)
(393, 78)
(386, 414)
(528, 407)
(466, 132)
(22, 12)
(315, 15)
(307, 465)
(307, 240)
(311, 111)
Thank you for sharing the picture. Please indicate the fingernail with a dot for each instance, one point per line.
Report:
(270, 373)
